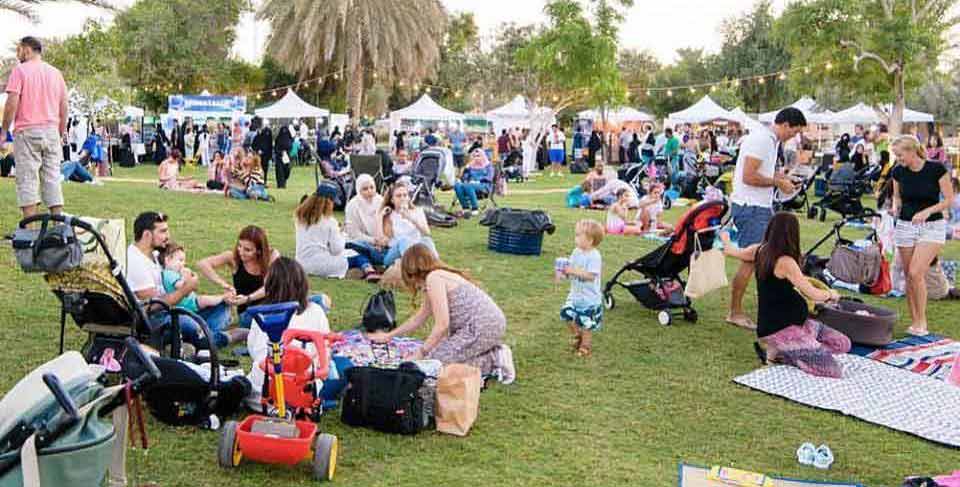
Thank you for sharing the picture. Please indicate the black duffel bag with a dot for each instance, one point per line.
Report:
(387, 400)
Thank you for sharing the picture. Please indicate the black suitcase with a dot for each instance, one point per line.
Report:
(387, 400)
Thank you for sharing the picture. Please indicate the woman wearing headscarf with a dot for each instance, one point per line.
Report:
(283, 145)
(160, 143)
(593, 147)
(477, 176)
(360, 222)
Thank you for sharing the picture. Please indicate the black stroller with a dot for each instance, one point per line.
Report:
(799, 199)
(662, 289)
(845, 187)
(425, 177)
(96, 295)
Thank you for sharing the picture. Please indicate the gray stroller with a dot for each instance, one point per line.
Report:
(54, 429)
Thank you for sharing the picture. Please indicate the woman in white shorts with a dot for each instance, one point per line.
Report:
(921, 193)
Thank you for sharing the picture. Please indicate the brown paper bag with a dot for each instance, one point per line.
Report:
(458, 398)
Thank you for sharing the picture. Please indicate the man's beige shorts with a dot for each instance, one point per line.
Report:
(37, 153)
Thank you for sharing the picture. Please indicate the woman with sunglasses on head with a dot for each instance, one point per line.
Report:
(476, 177)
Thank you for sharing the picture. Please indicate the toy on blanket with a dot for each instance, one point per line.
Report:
(362, 352)
(739, 478)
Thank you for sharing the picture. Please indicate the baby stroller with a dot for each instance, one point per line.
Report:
(53, 426)
(861, 266)
(425, 177)
(636, 174)
(845, 187)
(344, 184)
(798, 200)
(662, 288)
(96, 294)
(190, 394)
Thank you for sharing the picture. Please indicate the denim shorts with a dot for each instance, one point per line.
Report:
(751, 223)
(908, 234)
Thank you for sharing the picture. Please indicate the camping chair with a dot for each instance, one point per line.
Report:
(485, 198)
(372, 165)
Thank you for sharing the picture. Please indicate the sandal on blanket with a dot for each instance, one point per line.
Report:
(914, 332)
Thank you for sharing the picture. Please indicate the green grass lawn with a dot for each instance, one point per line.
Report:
(649, 398)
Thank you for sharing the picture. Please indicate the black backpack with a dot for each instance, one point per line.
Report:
(387, 400)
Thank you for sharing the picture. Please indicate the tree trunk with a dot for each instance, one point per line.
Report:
(896, 114)
(355, 91)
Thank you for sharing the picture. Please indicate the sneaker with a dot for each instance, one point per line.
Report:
(823, 457)
(806, 454)
(507, 371)
(474, 212)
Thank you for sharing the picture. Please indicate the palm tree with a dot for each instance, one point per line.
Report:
(27, 8)
(395, 41)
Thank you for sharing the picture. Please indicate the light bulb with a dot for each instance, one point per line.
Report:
(669, 92)
(761, 80)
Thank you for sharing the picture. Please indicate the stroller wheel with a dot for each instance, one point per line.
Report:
(664, 318)
(608, 301)
(325, 448)
(823, 214)
(667, 203)
(228, 450)
(690, 315)
(812, 212)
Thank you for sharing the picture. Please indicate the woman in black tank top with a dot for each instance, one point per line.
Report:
(784, 327)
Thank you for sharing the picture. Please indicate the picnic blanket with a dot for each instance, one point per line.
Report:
(932, 355)
(362, 352)
(696, 476)
(873, 392)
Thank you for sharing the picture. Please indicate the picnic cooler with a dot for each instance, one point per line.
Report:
(518, 232)
(875, 328)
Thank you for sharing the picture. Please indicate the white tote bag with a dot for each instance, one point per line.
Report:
(708, 271)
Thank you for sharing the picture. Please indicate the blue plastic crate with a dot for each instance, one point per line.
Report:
(507, 242)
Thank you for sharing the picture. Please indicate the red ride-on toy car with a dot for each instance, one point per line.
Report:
(280, 437)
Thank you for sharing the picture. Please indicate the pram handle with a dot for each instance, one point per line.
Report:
(49, 217)
(175, 313)
(63, 399)
(152, 372)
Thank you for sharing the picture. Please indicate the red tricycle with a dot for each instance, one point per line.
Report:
(280, 437)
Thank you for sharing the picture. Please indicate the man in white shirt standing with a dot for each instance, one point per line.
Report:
(754, 180)
(151, 233)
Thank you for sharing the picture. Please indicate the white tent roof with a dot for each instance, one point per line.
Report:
(518, 107)
(425, 109)
(745, 120)
(618, 115)
(909, 116)
(291, 106)
(860, 113)
(133, 112)
(807, 105)
(705, 110)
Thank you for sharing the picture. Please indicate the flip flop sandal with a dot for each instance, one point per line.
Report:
(806, 454)
(911, 332)
(823, 458)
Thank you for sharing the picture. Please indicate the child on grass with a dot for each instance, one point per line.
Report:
(583, 310)
(618, 215)
(651, 211)
(173, 258)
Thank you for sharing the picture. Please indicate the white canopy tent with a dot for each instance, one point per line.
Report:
(745, 120)
(131, 111)
(861, 113)
(424, 109)
(516, 113)
(291, 106)
(703, 111)
(617, 115)
(909, 116)
(813, 112)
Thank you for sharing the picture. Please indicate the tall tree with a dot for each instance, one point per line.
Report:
(89, 65)
(574, 60)
(27, 8)
(879, 49)
(162, 51)
(460, 67)
(392, 41)
(749, 48)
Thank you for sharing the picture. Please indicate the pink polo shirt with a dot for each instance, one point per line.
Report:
(41, 89)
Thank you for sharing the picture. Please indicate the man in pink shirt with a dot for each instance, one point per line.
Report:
(37, 109)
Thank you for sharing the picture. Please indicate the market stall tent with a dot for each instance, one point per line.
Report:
(861, 113)
(291, 106)
(423, 110)
(812, 111)
(617, 115)
(745, 120)
(516, 113)
(909, 116)
(704, 111)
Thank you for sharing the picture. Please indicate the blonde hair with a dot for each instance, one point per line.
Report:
(910, 143)
(313, 208)
(592, 229)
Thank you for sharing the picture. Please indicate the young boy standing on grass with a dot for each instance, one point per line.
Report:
(583, 310)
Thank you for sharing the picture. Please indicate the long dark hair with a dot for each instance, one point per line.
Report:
(781, 238)
(286, 281)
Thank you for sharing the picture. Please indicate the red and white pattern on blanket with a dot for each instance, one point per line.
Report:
(933, 359)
